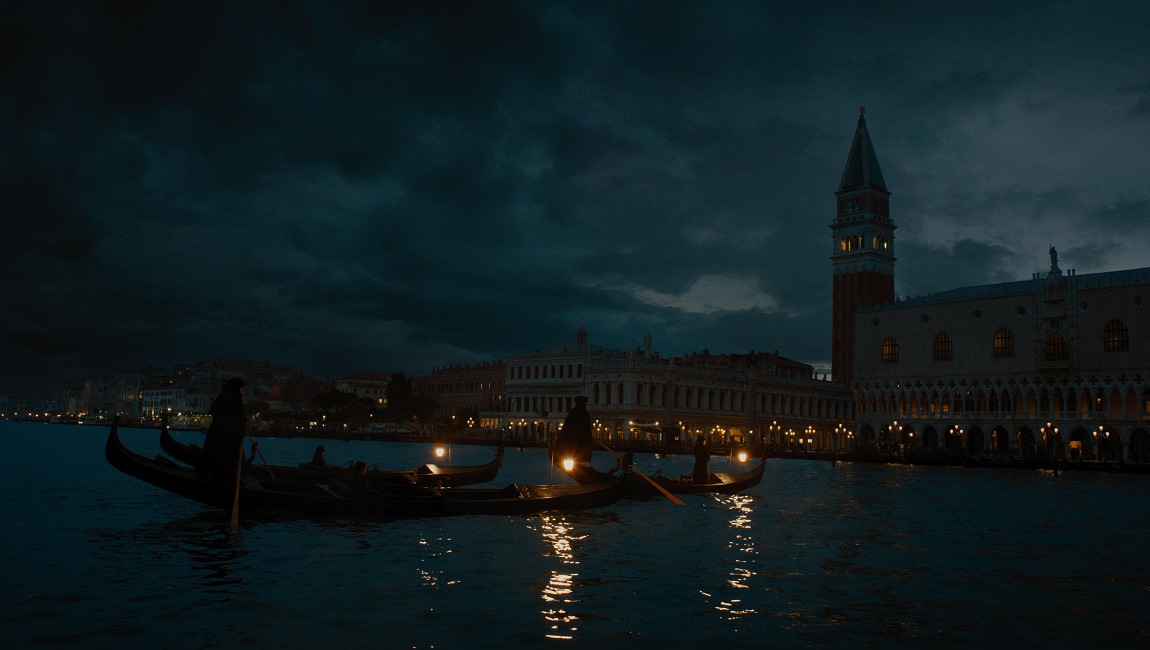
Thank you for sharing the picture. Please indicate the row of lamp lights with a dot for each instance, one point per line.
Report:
(841, 431)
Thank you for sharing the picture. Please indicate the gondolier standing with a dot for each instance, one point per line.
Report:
(574, 440)
(224, 441)
(701, 473)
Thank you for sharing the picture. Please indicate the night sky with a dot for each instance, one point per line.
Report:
(397, 186)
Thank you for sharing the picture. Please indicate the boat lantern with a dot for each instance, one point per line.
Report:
(439, 451)
(742, 456)
(568, 464)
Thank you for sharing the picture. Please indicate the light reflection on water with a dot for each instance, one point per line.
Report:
(558, 594)
(817, 555)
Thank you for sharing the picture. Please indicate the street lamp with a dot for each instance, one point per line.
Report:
(775, 429)
(895, 432)
(1049, 435)
(840, 432)
(810, 437)
(955, 436)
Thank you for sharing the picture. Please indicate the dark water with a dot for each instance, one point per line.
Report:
(818, 555)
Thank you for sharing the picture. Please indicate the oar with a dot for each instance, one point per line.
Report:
(256, 448)
(551, 453)
(674, 499)
(235, 520)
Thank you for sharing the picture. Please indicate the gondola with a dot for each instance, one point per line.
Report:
(333, 499)
(639, 486)
(427, 474)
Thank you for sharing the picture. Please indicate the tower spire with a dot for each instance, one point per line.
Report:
(862, 163)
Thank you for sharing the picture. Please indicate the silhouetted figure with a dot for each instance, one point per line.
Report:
(574, 440)
(224, 442)
(359, 483)
(701, 472)
(319, 458)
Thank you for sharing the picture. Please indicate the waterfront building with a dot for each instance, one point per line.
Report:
(641, 395)
(471, 395)
(542, 386)
(184, 391)
(118, 394)
(258, 376)
(1055, 365)
(181, 399)
(368, 385)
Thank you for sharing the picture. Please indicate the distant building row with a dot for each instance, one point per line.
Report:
(641, 395)
(186, 392)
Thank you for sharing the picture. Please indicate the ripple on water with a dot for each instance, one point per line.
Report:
(817, 555)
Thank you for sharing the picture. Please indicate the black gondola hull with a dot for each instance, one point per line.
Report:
(640, 486)
(331, 499)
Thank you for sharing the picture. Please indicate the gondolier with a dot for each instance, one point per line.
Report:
(225, 438)
(701, 472)
(574, 441)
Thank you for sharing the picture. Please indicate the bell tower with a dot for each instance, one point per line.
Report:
(863, 254)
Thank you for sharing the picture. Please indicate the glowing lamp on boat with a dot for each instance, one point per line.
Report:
(742, 456)
(439, 451)
(568, 464)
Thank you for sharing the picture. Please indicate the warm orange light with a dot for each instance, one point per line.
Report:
(742, 456)
(439, 451)
(568, 464)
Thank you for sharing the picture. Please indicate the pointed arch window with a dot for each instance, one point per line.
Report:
(1056, 349)
(889, 350)
(1116, 338)
(1003, 343)
(943, 347)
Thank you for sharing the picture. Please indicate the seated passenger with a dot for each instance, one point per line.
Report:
(358, 482)
(319, 459)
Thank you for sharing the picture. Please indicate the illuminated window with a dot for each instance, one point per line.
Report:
(1003, 343)
(1116, 337)
(889, 350)
(943, 347)
(1056, 349)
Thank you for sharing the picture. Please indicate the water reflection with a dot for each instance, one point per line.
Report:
(437, 548)
(559, 594)
(742, 553)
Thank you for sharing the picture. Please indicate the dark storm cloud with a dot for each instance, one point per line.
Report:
(1141, 108)
(390, 186)
(963, 263)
